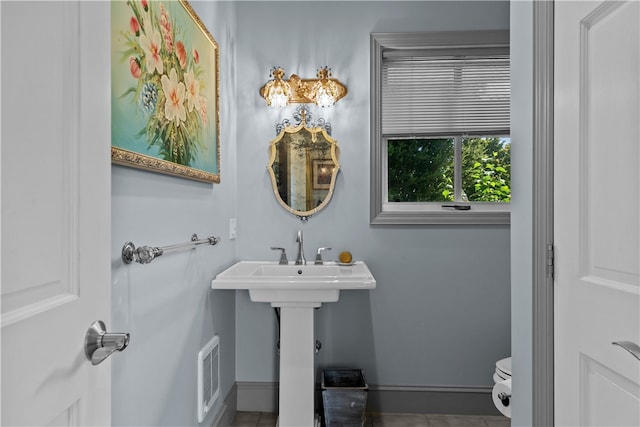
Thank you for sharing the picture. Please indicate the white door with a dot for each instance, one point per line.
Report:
(597, 212)
(55, 210)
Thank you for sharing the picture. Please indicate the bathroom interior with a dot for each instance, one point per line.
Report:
(450, 300)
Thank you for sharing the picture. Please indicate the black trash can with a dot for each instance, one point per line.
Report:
(344, 397)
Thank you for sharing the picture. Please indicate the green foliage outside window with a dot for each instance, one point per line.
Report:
(486, 169)
(422, 170)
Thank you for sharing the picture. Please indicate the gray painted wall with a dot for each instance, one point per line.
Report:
(167, 305)
(521, 209)
(441, 312)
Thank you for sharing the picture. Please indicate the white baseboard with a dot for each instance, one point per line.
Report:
(227, 411)
(431, 400)
(258, 396)
(263, 397)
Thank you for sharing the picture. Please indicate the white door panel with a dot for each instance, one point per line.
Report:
(55, 210)
(40, 197)
(597, 212)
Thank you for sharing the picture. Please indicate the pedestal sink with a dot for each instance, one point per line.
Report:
(297, 290)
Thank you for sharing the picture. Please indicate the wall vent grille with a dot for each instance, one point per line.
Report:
(208, 376)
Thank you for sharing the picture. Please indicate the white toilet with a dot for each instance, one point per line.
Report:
(501, 392)
(503, 370)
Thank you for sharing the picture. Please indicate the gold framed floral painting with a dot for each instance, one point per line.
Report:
(164, 90)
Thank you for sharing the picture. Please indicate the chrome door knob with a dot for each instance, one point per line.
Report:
(98, 344)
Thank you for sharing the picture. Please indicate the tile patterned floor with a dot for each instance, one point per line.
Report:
(264, 419)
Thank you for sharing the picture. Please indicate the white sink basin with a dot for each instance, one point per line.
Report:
(268, 281)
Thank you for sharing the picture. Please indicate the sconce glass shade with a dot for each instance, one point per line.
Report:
(324, 91)
(277, 92)
(324, 98)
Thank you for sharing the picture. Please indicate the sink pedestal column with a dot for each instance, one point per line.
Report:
(297, 371)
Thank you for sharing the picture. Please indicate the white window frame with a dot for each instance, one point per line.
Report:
(394, 213)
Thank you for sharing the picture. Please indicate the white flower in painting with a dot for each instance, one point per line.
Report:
(151, 45)
(203, 110)
(193, 90)
(174, 93)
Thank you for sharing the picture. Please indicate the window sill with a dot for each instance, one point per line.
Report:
(435, 214)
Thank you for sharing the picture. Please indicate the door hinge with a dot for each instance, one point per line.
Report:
(550, 260)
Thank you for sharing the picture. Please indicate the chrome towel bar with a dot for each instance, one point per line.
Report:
(146, 254)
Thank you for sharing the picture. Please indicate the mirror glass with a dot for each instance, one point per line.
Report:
(303, 166)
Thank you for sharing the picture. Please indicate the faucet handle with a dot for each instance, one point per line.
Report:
(319, 255)
(283, 255)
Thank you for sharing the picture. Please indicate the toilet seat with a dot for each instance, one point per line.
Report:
(504, 366)
(497, 378)
(500, 376)
(503, 370)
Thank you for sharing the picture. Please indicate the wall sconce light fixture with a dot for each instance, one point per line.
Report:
(323, 91)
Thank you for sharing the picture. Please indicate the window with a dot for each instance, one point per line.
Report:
(440, 143)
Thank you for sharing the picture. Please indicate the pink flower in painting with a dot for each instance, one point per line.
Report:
(145, 5)
(151, 47)
(134, 67)
(203, 109)
(181, 53)
(174, 93)
(193, 90)
(196, 56)
(134, 26)
(165, 26)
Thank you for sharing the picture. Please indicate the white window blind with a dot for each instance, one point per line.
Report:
(426, 95)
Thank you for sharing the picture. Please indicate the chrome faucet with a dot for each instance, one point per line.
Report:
(283, 255)
(319, 255)
(300, 260)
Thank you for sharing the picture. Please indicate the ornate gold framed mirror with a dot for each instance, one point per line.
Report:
(303, 165)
